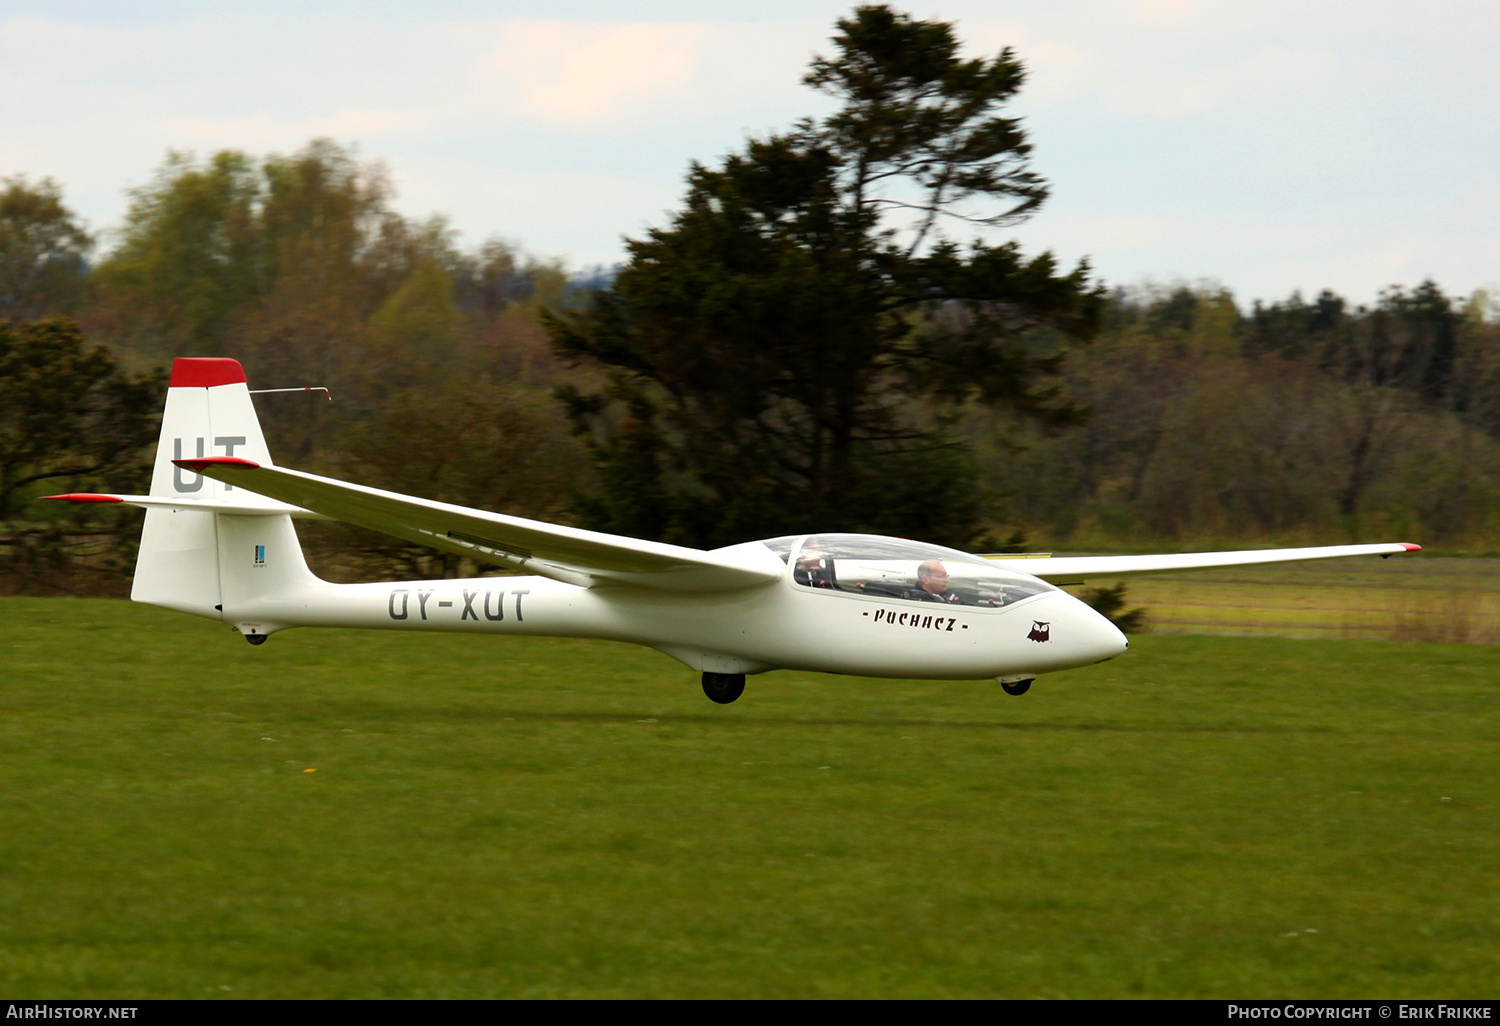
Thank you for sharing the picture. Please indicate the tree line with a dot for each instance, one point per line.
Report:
(1292, 421)
(828, 334)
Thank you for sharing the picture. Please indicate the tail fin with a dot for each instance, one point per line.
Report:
(197, 561)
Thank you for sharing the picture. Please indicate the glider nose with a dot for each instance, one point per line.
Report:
(1065, 633)
(1097, 637)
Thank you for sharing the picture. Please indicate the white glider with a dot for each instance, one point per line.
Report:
(218, 542)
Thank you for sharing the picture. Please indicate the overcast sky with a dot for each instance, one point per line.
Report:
(1270, 146)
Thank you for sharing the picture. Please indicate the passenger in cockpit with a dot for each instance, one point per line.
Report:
(932, 584)
(813, 568)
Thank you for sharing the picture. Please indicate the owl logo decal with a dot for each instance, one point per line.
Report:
(1040, 631)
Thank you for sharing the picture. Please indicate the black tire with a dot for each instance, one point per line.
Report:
(1020, 687)
(723, 687)
(256, 639)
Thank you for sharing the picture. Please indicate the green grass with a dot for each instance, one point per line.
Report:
(516, 817)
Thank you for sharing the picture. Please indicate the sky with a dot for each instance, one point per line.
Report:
(1267, 147)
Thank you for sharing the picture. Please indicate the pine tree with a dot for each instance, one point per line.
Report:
(792, 350)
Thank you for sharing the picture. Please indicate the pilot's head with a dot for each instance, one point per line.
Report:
(932, 577)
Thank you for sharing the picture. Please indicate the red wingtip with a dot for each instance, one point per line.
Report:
(84, 497)
(216, 461)
(1409, 547)
(205, 372)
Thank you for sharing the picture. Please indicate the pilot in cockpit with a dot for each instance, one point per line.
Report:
(932, 584)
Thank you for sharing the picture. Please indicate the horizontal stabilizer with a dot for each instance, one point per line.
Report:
(568, 554)
(1065, 569)
(181, 503)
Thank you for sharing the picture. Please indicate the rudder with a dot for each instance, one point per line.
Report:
(208, 412)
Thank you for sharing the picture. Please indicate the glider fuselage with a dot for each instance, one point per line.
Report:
(778, 625)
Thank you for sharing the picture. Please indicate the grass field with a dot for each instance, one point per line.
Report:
(341, 814)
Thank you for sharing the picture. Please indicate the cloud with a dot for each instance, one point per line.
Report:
(1180, 92)
(1167, 12)
(1275, 145)
(581, 75)
(1270, 259)
(578, 214)
(1159, 59)
(270, 133)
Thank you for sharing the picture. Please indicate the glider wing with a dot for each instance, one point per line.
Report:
(1068, 569)
(570, 554)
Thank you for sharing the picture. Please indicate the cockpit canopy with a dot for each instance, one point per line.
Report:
(894, 568)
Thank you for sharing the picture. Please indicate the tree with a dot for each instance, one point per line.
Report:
(68, 412)
(792, 350)
(42, 249)
(190, 253)
(210, 245)
(70, 419)
(1408, 341)
(1296, 328)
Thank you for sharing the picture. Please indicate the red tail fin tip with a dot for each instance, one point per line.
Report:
(205, 372)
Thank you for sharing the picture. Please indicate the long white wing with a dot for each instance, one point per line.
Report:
(1068, 569)
(568, 554)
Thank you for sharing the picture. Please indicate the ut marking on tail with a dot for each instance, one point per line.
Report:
(226, 442)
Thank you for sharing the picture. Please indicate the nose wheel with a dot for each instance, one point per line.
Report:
(723, 687)
(1019, 687)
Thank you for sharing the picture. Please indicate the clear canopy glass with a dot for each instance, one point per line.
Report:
(894, 568)
(783, 546)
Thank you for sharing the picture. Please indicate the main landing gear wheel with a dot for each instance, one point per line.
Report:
(256, 639)
(1020, 687)
(723, 687)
